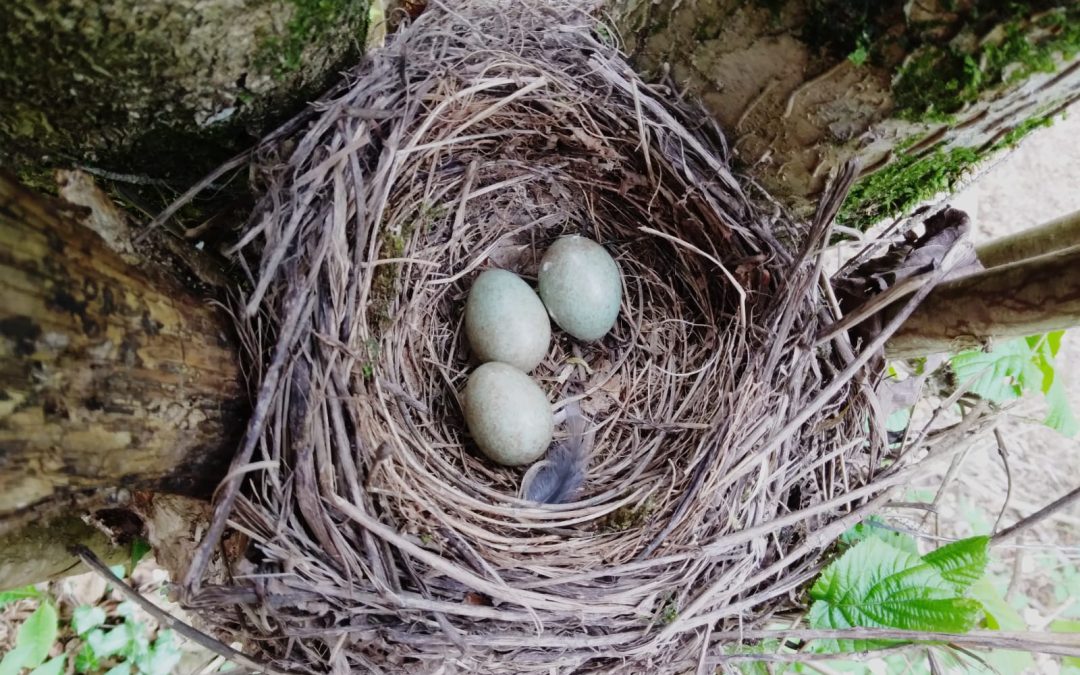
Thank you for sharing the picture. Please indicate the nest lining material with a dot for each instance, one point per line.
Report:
(377, 537)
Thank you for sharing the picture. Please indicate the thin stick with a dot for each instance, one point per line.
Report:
(1035, 518)
(1003, 452)
(1055, 644)
(166, 619)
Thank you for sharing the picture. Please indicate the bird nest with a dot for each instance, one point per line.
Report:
(365, 532)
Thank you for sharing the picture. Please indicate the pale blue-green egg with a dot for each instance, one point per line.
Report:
(505, 321)
(581, 287)
(508, 415)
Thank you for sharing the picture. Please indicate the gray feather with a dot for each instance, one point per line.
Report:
(560, 475)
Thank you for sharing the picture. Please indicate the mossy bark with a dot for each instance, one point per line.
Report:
(111, 375)
(163, 90)
(919, 91)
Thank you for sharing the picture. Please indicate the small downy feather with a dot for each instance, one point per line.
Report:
(558, 477)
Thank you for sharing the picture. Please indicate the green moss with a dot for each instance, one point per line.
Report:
(627, 517)
(1012, 138)
(669, 611)
(904, 184)
(310, 20)
(939, 80)
(384, 283)
(843, 27)
(162, 90)
(935, 83)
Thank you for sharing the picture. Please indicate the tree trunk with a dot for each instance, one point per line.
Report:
(164, 90)
(1027, 297)
(919, 91)
(111, 376)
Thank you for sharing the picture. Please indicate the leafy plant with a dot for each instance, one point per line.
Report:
(125, 644)
(116, 643)
(876, 584)
(15, 594)
(33, 641)
(1014, 367)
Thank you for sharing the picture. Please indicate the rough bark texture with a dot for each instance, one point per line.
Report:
(1034, 295)
(111, 376)
(166, 89)
(920, 91)
(40, 553)
(1058, 234)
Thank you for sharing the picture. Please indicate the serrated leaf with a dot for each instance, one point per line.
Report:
(109, 643)
(874, 584)
(875, 527)
(961, 563)
(53, 666)
(7, 597)
(138, 646)
(1027, 363)
(86, 618)
(38, 632)
(86, 660)
(164, 655)
(1060, 417)
(1000, 375)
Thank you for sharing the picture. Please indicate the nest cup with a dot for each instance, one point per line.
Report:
(371, 535)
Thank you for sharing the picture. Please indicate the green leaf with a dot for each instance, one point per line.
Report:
(874, 584)
(38, 632)
(139, 548)
(138, 646)
(164, 656)
(123, 668)
(14, 594)
(1060, 417)
(109, 643)
(1019, 365)
(1067, 626)
(876, 527)
(1000, 615)
(13, 661)
(86, 660)
(1000, 375)
(859, 56)
(961, 563)
(85, 618)
(51, 667)
(127, 609)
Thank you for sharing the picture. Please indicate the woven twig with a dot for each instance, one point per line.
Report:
(729, 449)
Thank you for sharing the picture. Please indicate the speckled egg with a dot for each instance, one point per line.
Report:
(508, 415)
(505, 321)
(581, 287)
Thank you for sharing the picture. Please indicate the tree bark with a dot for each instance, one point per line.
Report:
(1056, 235)
(920, 92)
(111, 376)
(161, 90)
(1027, 297)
